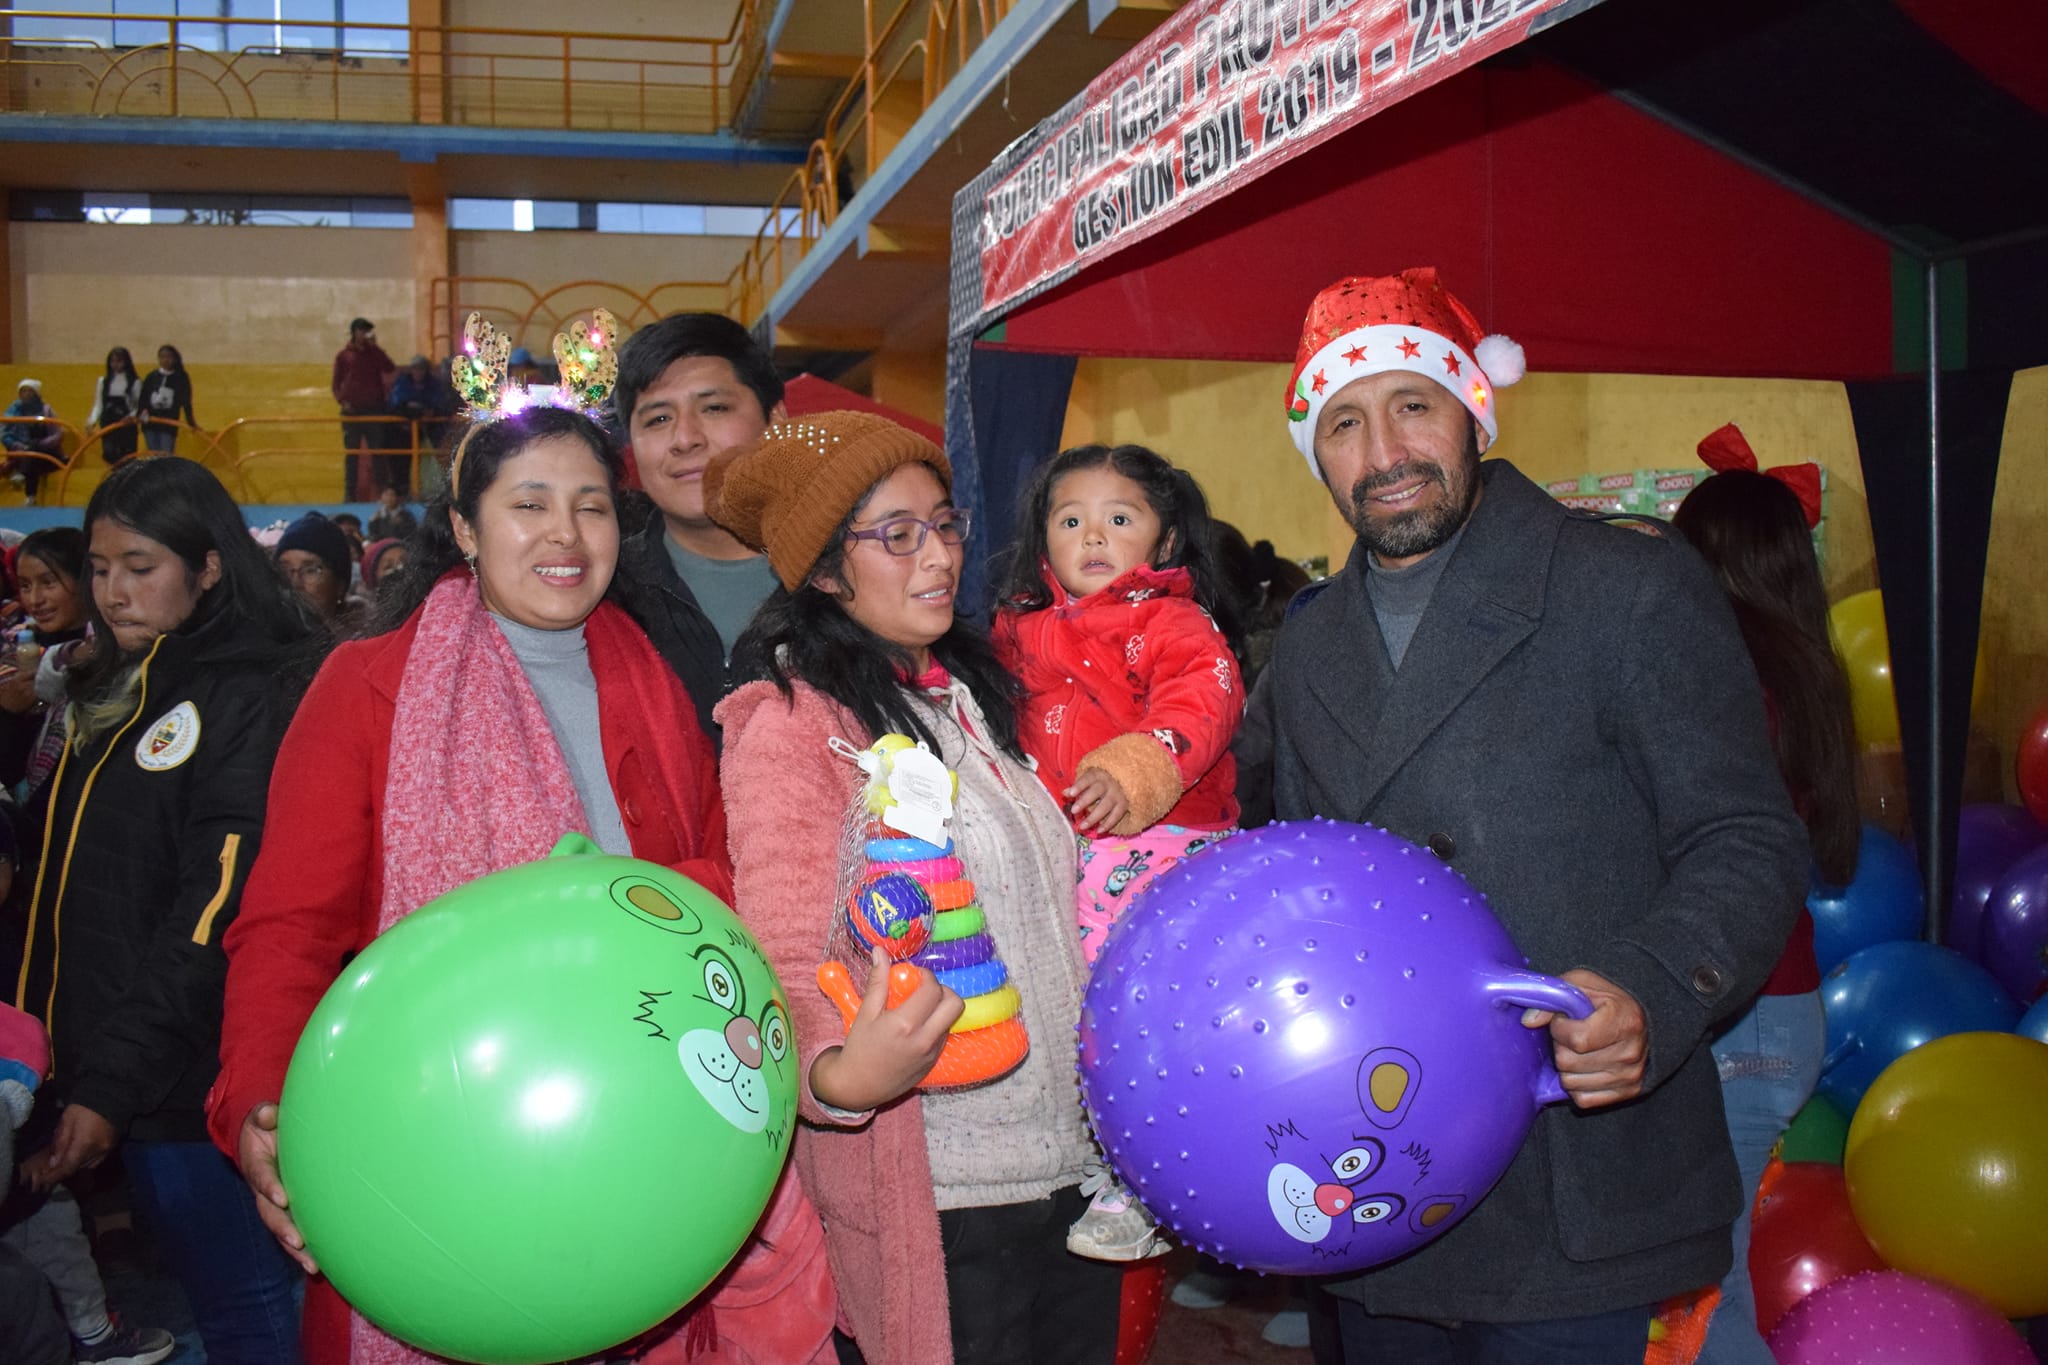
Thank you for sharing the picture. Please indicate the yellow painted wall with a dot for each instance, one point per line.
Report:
(1222, 422)
(2015, 597)
(233, 295)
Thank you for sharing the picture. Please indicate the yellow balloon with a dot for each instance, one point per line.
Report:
(1856, 625)
(1947, 1167)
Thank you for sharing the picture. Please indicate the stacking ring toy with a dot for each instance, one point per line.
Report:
(956, 953)
(952, 895)
(930, 871)
(980, 979)
(948, 925)
(905, 850)
(992, 1008)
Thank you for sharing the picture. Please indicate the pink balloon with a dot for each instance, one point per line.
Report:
(1887, 1317)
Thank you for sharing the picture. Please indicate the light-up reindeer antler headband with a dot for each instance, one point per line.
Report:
(586, 355)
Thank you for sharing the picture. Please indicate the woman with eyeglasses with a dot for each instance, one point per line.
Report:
(946, 1212)
(314, 554)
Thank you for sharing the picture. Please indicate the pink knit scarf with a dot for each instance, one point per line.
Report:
(477, 783)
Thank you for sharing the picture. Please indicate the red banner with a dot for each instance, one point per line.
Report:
(1219, 94)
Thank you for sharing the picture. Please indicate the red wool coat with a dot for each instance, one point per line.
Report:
(1138, 657)
(313, 896)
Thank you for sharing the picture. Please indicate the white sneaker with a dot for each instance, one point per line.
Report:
(1116, 1226)
(1288, 1327)
(1203, 1289)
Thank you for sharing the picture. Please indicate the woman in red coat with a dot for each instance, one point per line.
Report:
(494, 706)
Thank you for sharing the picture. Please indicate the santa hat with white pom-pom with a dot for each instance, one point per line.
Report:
(1371, 324)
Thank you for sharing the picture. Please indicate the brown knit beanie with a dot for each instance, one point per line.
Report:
(788, 494)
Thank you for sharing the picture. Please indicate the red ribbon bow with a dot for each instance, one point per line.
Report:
(1726, 449)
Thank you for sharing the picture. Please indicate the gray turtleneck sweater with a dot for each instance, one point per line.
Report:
(557, 663)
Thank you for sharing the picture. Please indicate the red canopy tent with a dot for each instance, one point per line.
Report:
(1838, 189)
(807, 394)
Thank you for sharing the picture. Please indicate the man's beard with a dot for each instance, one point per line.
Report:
(1406, 534)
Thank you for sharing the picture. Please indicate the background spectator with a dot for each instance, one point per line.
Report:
(362, 376)
(116, 401)
(28, 441)
(422, 393)
(314, 555)
(166, 401)
(394, 520)
(381, 559)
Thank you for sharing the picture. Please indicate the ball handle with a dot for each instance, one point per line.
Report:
(1535, 991)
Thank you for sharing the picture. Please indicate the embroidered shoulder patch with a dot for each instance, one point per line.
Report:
(170, 740)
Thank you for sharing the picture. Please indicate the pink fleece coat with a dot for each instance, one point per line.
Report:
(785, 797)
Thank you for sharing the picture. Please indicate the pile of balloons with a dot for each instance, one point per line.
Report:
(1910, 1234)
(1908, 1217)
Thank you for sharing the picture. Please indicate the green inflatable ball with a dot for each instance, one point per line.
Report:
(541, 1113)
(1819, 1132)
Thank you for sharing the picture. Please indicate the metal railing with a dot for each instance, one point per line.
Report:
(531, 317)
(384, 73)
(246, 455)
(953, 29)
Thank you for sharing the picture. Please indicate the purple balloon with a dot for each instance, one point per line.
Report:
(1989, 840)
(1303, 1048)
(1887, 1317)
(2015, 945)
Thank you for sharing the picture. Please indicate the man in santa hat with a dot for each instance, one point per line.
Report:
(1565, 714)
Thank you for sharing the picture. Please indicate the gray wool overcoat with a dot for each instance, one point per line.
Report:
(1577, 729)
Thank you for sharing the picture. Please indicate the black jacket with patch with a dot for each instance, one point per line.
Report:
(151, 831)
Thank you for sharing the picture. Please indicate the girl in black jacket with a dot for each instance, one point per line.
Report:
(166, 401)
(117, 405)
(155, 812)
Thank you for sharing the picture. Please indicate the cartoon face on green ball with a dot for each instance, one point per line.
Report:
(721, 1011)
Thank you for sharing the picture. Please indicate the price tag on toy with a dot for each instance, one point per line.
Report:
(920, 795)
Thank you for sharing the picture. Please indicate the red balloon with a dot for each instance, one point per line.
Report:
(2031, 766)
(1802, 1236)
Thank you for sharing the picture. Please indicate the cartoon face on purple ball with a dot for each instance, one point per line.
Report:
(1323, 1198)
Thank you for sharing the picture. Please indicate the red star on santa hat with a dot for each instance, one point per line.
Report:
(1318, 382)
(1451, 364)
(1355, 354)
(1410, 349)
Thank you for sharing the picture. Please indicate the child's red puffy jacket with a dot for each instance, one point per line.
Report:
(1135, 680)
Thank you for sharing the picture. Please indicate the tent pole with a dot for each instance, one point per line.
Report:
(1932, 827)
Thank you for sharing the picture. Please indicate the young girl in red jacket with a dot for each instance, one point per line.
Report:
(1109, 619)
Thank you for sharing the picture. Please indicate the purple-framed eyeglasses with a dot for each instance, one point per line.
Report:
(905, 535)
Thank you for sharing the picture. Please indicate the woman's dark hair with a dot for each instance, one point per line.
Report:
(1259, 580)
(177, 356)
(60, 547)
(182, 507)
(1173, 494)
(808, 636)
(1753, 534)
(127, 362)
(679, 336)
(431, 549)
